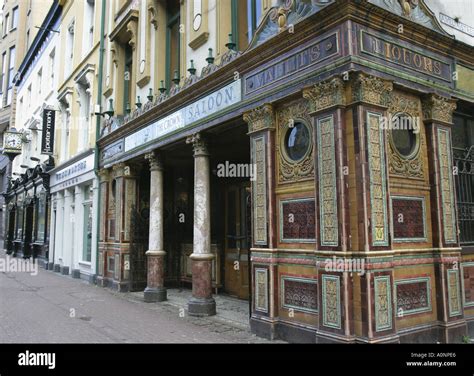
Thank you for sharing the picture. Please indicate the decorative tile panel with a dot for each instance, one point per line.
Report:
(408, 219)
(413, 296)
(447, 191)
(260, 191)
(327, 182)
(299, 294)
(378, 189)
(261, 290)
(383, 303)
(467, 279)
(297, 221)
(331, 298)
(453, 293)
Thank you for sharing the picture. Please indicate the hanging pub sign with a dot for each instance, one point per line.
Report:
(47, 138)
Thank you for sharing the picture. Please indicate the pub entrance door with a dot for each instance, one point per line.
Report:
(237, 240)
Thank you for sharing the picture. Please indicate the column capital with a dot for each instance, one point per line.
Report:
(326, 94)
(260, 118)
(155, 160)
(200, 144)
(438, 109)
(104, 175)
(371, 90)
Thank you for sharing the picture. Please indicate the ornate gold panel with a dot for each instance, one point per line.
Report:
(412, 166)
(290, 171)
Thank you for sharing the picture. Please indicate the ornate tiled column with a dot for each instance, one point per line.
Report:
(201, 303)
(327, 101)
(155, 290)
(261, 122)
(438, 118)
(374, 313)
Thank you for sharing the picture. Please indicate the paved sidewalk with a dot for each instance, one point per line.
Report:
(51, 308)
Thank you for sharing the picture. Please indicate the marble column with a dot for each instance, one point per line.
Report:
(201, 303)
(155, 290)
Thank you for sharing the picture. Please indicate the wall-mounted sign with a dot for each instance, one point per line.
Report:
(201, 109)
(47, 137)
(404, 56)
(77, 173)
(12, 142)
(285, 67)
(462, 27)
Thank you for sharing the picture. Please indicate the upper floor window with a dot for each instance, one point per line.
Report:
(5, 24)
(11, 68)
(173, 39)
(39, 80)
(69, 49)
(4, 71)
(246, 16)
(52, 67)
(14, 18)
(89, 25)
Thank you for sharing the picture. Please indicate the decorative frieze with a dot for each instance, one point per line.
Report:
(331, 298)
(383, 303)
(327, 182)
(371, 90)
(325, 95)
(260, 118)
(413, 296)
(378, 181)
(447, 186)
(299, 294)
(438, 109)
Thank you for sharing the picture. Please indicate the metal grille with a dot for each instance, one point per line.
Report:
(464, 163)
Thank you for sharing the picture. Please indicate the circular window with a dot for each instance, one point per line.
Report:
(297, 141)
(404, 134)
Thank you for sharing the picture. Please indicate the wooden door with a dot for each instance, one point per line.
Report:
(237, 240)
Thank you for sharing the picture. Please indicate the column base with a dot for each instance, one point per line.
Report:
(155, 295)
(202, 307)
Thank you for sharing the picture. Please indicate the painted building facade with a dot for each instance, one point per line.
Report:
(356, 119)
(18, 31)
(73, 180)
(28, 195)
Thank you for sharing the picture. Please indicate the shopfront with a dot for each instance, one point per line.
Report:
(28, 205)
(344, 227)
(73, 218)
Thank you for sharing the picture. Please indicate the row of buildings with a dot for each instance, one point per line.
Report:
(312, 157)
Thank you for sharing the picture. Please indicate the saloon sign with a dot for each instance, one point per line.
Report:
(47, 139)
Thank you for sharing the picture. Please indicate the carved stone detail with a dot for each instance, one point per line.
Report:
(152, 12)
(260, 118)
(199, 144)
(371, 90)
(132, 31)
(325, 94)
(436, 108)
(288, 170)
(155, 160)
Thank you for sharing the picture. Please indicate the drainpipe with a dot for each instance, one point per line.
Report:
(97, 127)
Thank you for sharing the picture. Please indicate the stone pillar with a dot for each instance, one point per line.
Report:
(155, 290)
(202, 303)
